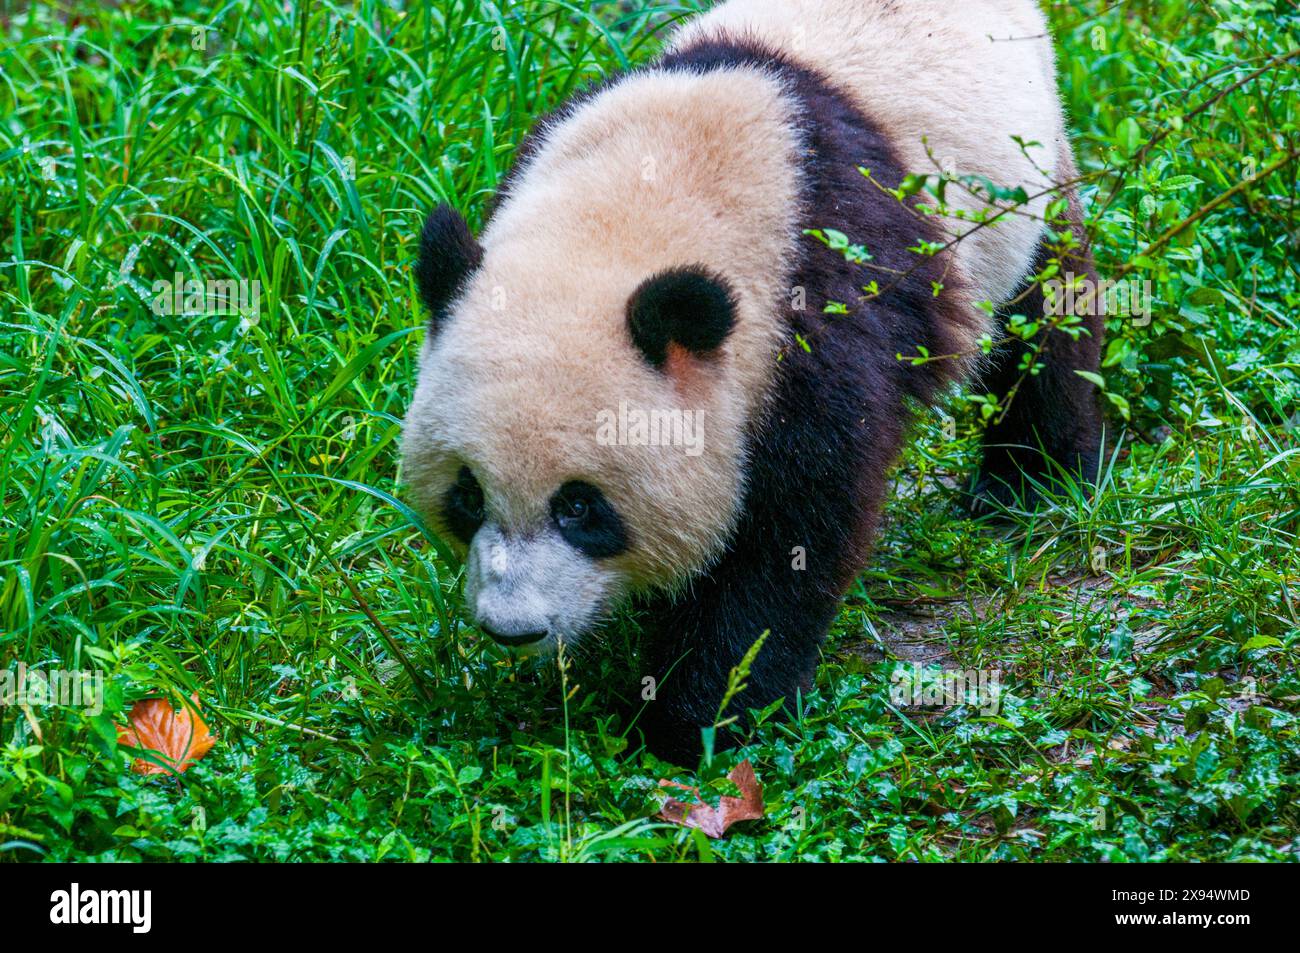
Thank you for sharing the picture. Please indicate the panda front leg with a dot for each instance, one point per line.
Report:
(815, 494)
(693, 643)
(1053, 424)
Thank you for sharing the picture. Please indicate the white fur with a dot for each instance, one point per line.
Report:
(965, 75)
(661, 171)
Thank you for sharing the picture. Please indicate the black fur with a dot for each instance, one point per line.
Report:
(819, 459)
(587, 521)
(818, 463)
(1053, 423)
(449, 254)
(462, 507)
(689, 307)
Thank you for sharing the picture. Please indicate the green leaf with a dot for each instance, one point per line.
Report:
(1178, 183)
(1129, 137)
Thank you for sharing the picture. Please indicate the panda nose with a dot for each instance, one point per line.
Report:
(514, 639)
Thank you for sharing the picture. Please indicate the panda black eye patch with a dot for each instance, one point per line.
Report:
(587, 521)
(463, 506)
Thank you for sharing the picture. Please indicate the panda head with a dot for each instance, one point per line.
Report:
(577, 426)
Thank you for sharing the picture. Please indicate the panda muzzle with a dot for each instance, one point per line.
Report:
(514, 639)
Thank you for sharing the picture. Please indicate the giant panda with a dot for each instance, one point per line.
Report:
(649, 251)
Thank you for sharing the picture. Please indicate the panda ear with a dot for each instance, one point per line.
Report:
(691, 307)
(449, 253)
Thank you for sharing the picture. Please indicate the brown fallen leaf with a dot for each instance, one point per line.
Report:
(179, 737)
(715, 821)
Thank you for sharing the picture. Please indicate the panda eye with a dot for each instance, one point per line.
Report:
(464, 506)
(587, 521)
(573, 510)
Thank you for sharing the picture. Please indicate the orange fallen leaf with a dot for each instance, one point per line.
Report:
(715, 821)
(179, 738)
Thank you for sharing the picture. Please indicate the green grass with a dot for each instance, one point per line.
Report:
(207, 505)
